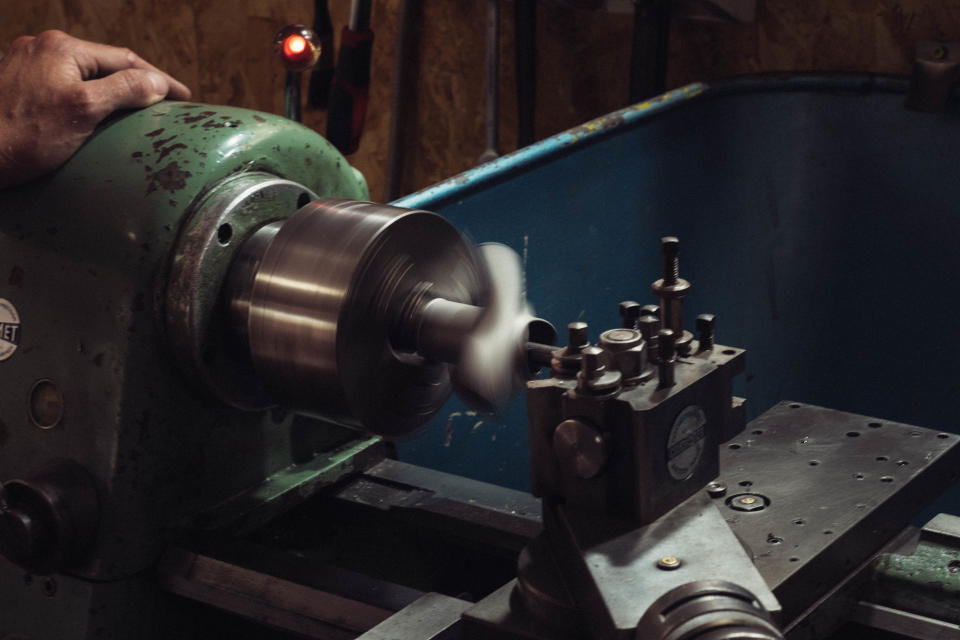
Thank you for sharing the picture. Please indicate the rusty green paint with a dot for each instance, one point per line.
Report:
(254, 507)
(90, 245)
(926, 582)
(175, 147)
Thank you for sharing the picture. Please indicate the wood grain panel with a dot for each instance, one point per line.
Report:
(222, 50)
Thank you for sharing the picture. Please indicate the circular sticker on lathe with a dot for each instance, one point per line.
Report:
(9, 329)
(686, 442)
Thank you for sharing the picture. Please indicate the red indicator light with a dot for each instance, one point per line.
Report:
(297, 47)
(294, 46)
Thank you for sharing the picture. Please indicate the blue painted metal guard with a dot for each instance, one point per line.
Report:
(819, 220)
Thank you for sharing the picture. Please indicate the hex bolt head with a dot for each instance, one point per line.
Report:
(592, 365)
(716, 489)
(650, 310)
(594, 378)
(629, 312)
(706, 324)
(747, 502)
(565, 361)
(649, 326)
(576, 337)
(617, 340)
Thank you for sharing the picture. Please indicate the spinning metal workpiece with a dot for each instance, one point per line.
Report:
(355, 312)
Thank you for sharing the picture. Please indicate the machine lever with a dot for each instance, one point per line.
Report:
(349, 93)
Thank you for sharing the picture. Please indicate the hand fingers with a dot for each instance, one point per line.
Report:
(97, 60)
(176, 90)
(126, 89)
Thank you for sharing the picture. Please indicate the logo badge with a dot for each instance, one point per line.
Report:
(686, 442)
(9, 329)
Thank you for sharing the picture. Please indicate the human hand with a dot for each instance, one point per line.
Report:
(55, 89)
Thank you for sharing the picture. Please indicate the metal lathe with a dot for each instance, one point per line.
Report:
(214, 353)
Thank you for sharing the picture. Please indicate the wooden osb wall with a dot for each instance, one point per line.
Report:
(221, 48)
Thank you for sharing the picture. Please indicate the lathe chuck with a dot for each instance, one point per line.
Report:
(327, 290)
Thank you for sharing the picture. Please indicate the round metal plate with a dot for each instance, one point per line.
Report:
(206, 246)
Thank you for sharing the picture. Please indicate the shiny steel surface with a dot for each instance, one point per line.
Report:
(838, 486)
(324, 299)
(710, 610)
(581, 448)
(442, 327)
(205, 256)
(243, 273)
(612, 573)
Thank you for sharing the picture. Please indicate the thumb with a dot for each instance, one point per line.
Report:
(127, 89)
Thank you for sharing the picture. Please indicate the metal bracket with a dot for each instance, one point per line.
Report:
(936, 67)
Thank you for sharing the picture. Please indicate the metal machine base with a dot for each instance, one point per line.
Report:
(812, 494)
